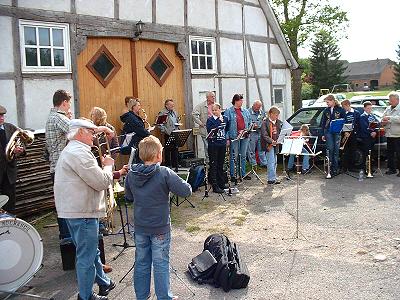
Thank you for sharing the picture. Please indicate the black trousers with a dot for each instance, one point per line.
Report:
(348, 153)
(216, 155)
(170, 153)
(393, 153)
(367, 144)
(8, 189)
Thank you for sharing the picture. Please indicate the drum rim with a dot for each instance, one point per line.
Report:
(37, 259)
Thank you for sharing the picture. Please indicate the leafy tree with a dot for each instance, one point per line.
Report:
(300, 20)
(307, 91)
(326, 68)
(397, 70)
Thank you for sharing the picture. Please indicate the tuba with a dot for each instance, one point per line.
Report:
(19, 138)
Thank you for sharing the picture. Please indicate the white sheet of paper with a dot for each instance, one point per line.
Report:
(127, 139)
(292, 146)
(284, 132)
(286, 125)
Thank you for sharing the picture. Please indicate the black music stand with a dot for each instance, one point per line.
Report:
(174, 199)
(177, 139)
(125, 245)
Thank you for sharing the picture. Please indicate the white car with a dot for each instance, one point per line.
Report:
(321, 100)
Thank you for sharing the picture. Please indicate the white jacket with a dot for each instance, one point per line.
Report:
(392, 128)
(79, 183)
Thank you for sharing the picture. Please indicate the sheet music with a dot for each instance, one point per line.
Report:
(127, 140)
(284, 132)
(347, 127)
(292, 146)
(286, 125)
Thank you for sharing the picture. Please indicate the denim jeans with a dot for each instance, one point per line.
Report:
(333, 145)
(271, 164)
(236, 146)
(89, 269)
(152, 249)
(255, 144)
(306, 160)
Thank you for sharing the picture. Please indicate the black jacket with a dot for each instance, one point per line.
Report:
(133, 124)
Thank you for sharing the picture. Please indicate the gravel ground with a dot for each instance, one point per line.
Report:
(343, 225)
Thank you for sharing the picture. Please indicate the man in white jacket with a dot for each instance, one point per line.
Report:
(79, 197)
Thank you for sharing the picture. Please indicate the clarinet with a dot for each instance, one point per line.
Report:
(228, 167)
(205, 179)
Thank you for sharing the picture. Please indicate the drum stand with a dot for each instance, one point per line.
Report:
(125, 245)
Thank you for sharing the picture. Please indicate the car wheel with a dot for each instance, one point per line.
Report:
(358, 158)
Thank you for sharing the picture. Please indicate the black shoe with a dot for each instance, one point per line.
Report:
(222, 186)
(274, 182)
(305, 171)
(95, 297)
(218, 190)
(248, 177)
(390, 172)
(104, 290)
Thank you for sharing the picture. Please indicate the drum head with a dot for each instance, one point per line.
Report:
(21, 252)
(3, 200)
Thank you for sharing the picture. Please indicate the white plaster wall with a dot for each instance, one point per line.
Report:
(6, 45)
(253, 1)
(249, 65)
(279, 76)
(38, 95)
(102, 8)
(57, 5)
(201, 13)
(271, 34)
(231, 56)
(255, 21)
(260, 57)
(276, 55)
(135, 10)
(170, 12)
(253, 91)
(5, 2)
(288, 96)
(231, 86)
(230, 16)
(265, 92)
(9, 100)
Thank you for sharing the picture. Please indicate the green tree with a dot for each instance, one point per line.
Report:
(397, 70)
(300, 20)
(326, 68)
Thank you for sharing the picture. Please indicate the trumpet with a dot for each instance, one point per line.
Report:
(327, 165)
(344, 140)
(368, 165)
(19, 138)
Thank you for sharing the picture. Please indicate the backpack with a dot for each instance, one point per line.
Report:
(196, 177)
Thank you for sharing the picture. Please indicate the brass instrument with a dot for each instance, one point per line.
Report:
(109, 193)
(145, 119)
(20, 138)
(327, 165)
(368, 165)
(344, 140)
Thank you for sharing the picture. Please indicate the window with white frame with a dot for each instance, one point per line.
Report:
(278, 95)
(44, 47)
(202, 55)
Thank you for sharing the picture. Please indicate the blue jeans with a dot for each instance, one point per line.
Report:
(89, 269)
(152, 249)
(333, 145)
(236, 146)
(255, 144)
(271, 164)
(306, 160)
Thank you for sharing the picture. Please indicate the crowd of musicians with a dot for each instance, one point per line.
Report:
(81, 175)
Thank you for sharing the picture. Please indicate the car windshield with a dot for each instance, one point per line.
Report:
(311, 117)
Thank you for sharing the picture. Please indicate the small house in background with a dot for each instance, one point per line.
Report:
(370, 74)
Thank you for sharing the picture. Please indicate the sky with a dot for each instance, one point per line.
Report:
(373, 31)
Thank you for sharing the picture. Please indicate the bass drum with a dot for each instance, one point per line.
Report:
(21, 252)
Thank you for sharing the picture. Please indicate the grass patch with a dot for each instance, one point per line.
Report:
(192, 228)
(244, 212)
(239, 220)
(372, 93)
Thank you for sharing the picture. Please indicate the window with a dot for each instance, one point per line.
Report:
(202, 55)
(278, 95)
(159, 67)
(309, 116)
(44, 47)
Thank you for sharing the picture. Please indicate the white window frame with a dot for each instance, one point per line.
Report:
(45, 69)
(283, 94)
(213, 53)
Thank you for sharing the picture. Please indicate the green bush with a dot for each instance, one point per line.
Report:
(306, 91)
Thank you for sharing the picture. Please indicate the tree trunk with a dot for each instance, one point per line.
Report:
(296, 88)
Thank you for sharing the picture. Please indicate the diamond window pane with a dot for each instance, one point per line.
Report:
(31, 56)
(209, 63)
(30, 35)
(194, 47)
(58, 38)
(45, 57)
(195, 62)
(201, 48)
(59, 57)
(208, 48)
(202, 62)
(44, 36)
(159, 67)
(103, 66)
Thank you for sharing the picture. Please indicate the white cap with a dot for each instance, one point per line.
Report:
(81, 123)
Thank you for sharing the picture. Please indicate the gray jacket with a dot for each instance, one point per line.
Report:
(200, 116)
(392, 128)
(79, 183)
(172, 119)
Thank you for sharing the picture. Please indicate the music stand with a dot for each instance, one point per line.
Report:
(174, 199)
(285, 132)
(177, 139)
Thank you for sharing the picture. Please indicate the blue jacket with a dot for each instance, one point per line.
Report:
(149, 187)
(133, 124)
(219, 138)
(353, 117)
(232, 122)
(327, 116)
(365, 120)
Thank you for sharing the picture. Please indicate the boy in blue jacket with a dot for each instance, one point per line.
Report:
(216, 129)
(366, 132)
(148, 185)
